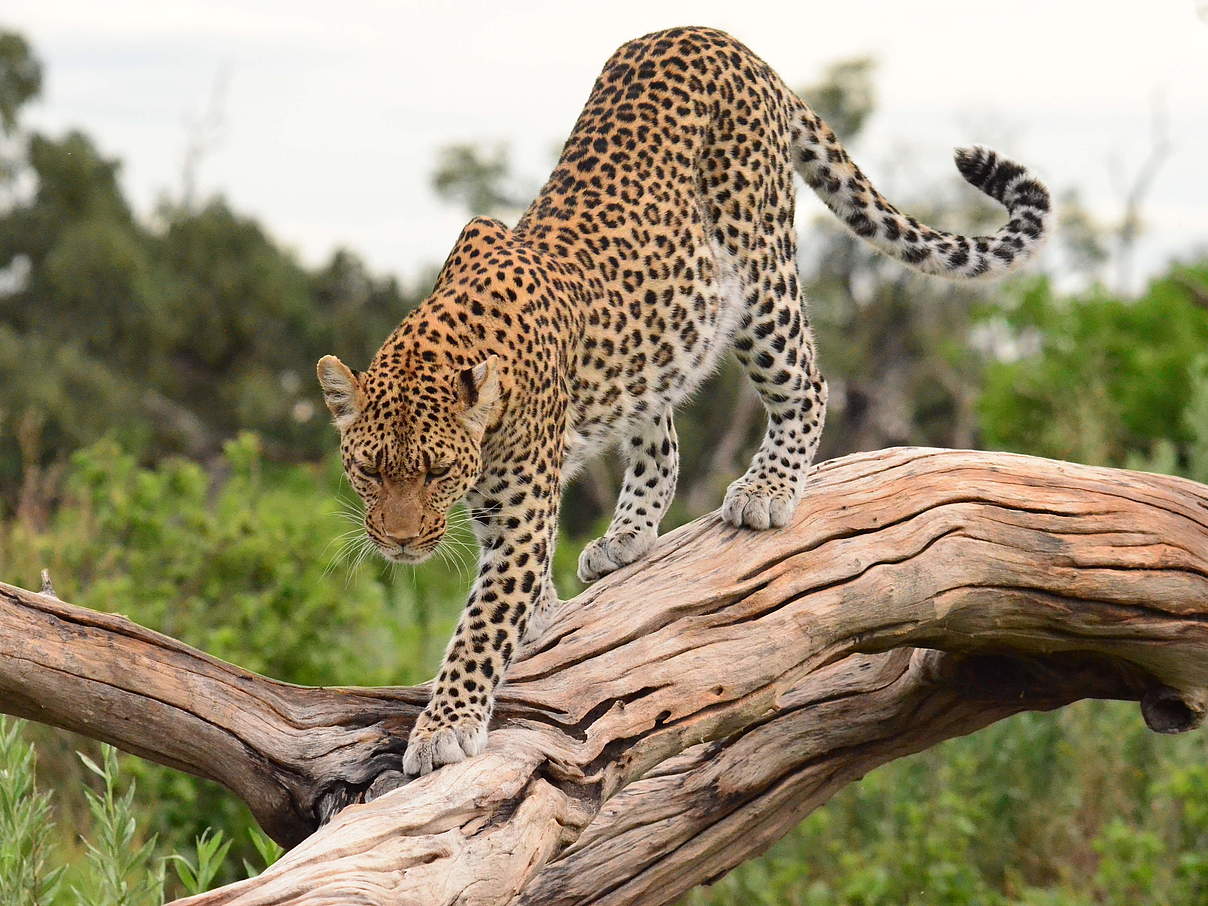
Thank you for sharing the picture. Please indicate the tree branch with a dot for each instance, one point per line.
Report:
(718, 804)
(685, 712)
(292, 753)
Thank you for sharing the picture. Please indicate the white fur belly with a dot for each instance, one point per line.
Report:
(730, 295)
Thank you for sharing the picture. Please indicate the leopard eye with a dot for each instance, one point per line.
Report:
(437, 472)
(368, 471)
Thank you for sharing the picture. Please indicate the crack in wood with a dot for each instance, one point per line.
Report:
(776, 707)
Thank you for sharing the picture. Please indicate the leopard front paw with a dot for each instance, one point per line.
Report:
(759, 504)
(437, 741)
(612, 551)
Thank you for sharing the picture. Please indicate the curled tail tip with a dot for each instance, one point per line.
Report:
(977, 164)
(1001, 178)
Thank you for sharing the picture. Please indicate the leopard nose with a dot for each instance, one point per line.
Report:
(401, 540)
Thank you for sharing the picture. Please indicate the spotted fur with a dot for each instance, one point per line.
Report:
(663, 237)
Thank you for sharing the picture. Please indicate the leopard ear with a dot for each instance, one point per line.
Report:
(341, 391)
(482, 394)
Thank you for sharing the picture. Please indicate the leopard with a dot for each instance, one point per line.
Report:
(664, 237)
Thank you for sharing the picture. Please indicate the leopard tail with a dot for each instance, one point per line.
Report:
(825, 166)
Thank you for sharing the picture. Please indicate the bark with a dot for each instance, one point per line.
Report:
(684, 713)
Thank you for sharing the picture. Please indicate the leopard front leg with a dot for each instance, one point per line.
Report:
(775, 346)
(651, 467)
(513, 586)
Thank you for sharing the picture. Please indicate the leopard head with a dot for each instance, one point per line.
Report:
(411, 443)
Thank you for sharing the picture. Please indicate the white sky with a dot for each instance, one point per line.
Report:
(334, 111)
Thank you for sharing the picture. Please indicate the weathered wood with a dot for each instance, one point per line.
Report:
(699, 814)
(691, 708)
(280, 748)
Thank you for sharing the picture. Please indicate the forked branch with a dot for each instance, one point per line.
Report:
(684, 713)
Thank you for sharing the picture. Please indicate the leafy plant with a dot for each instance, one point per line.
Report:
(121, 868)
(197, 875)
(268, 850)
(27, 877)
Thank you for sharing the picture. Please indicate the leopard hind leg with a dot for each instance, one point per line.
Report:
(775, 345)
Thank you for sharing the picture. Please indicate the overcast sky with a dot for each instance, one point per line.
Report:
(333, 112)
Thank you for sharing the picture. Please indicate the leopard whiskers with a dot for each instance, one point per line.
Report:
(356, 544)
(459, 546)
(364, 548)
(345, 542)
(350, 544)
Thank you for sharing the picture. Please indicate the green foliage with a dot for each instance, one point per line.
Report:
(121, 864)
(1099, 377)
(476, 178)
(268, 851)
(197, 874)
(174, 334)
(27, 877)
(236, 574)
(1071, 809)
(1189, 458)
(20, 77)
(121, 868)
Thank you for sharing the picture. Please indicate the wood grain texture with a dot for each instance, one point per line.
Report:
(682, 714)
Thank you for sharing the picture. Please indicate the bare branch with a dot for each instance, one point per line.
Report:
(48, 588)
(691, 708)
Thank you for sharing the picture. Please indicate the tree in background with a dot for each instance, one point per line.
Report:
(20, 78)
(172, 336)
(477, 178)
(1105, 379)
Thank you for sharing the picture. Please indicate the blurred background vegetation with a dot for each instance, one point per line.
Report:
(163, 451)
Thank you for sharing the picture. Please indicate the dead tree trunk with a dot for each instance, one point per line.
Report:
(683, 714)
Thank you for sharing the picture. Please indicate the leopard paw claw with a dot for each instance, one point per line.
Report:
(753, 504)
(429, 747)
(612, 551)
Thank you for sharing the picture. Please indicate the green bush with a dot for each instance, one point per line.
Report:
(26, 836)
(239, 563)
(41, 862)
(1081, 807)
(1096, 377)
